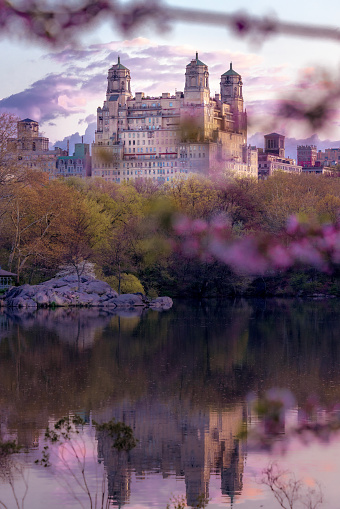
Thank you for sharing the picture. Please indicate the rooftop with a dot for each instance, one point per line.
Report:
(28, 120)
(118, 65)
(274, 134)
(6, 273)
(197, 61)
(231, 71)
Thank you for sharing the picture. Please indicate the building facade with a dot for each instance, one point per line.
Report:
(306, 155)
(329, 157)
(78, 165)
(31, 149)
(272, 158)
(162, 137)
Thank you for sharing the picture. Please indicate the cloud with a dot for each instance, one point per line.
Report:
(88, 137)
(137, 42)
(44, 100)
(88, 119)
(55, 96)
(163, 65)
(70, 54)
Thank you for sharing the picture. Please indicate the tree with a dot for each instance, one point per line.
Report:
(290, 491)
(65, 440)
(29, 216)
(194, 196)
(238, 199)
(82, 234)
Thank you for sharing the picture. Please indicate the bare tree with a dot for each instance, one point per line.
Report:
(289, 491)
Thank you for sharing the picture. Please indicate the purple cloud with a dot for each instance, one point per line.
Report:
(89, 119)
(43, 100)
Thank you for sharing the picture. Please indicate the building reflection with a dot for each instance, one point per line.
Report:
(189, 444)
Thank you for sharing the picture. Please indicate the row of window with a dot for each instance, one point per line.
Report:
(143, 135)
(150, 142)
(185, 155)
(159, 171)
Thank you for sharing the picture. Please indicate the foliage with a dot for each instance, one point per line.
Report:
(9, 447)
(67, 427)
(271, 408)
(120, 433)
(194, 237)
(65, 438)
(180, 502)
(129, 283)
(10, 470)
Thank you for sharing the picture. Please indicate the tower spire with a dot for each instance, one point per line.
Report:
(196, 56)
(118, 60)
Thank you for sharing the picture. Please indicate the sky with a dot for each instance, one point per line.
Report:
(62, 87)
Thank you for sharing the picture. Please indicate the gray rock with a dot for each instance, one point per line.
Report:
(62, 292)
(98, 287)
(29, 303)
(18, 302)
(161, 303)
(59, 300)
(41, 298)
(128, 300)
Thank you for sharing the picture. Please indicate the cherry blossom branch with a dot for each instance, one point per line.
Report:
(54, 25)
(300, 244)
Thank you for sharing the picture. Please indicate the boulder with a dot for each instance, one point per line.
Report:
(161, 302)
(98, 287)
(29, 303)
(64, 292)
(128, 300)
(41, 298)
(18, 302)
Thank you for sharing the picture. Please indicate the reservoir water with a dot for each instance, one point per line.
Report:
(181, 379)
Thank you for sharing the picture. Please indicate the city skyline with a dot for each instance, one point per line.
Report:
(62, 88)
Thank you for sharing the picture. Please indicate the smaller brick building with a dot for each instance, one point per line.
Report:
(306, 155)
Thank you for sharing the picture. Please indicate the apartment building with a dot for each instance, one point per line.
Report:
(163, 137)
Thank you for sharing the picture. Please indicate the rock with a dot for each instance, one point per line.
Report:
(99, 287)
(128, 300)
(18, 302)
(59, 300)
(41, 298)
(161, 302)
(13, 292)
(62, 292)
(29, 303)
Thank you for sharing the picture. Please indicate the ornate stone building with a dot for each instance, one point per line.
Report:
(161, 137)
(31, 149)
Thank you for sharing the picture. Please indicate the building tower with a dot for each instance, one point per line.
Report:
(231, 93)
(29, 137)
(117, 94)
(274, 144)
(196, 90)
(118, 82)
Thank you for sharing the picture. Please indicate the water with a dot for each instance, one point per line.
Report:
(180, 379)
